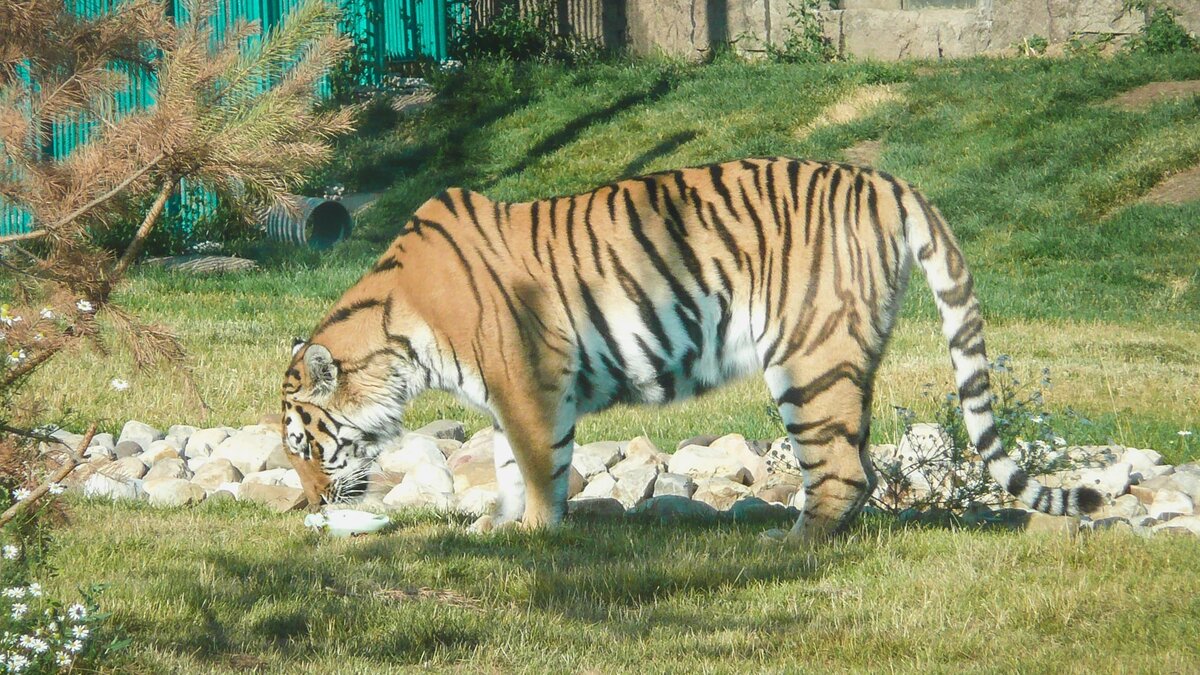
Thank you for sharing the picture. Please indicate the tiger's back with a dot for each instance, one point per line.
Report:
(658, 288)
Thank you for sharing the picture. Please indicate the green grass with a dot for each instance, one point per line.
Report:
(1037, 176)
(223, 588)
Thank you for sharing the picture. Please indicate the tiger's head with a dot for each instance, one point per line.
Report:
(335, 418)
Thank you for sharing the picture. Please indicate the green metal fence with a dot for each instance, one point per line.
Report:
(384, 31)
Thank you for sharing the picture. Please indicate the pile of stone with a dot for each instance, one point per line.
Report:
(706, 477)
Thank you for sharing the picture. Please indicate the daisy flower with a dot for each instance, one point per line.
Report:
(118, 384)
(85, 306)
(10, 552)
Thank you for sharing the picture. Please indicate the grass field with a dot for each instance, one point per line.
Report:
(1040, 180)
(230, 588)
(1038, 177)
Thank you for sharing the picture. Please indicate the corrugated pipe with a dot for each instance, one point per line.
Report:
(317, 223)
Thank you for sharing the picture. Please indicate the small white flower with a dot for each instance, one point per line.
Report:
(52, 627)
(17, 663)
(11, 552)
(1037, 419)
(47, 313)
(1185, 433)
(1060, 441)
(35, 590)
(77, 612)
(62, 659)
(57, 488)
(80, 632)
(25, 641)
(85, 306)
(39, 646)
(74, 646)
(16, 356)
(21, 494)
(19, 609)
(118, 384)
(14, 593)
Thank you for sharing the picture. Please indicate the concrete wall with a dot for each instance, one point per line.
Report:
(876, 29)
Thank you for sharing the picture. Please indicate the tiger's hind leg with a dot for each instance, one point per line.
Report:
(824, 399)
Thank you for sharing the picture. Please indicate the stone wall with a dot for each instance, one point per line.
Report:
(871, 29)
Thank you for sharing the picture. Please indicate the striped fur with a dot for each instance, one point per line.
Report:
(648, 290)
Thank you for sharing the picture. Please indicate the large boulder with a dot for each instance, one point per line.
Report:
(99, 485)
(674, 484)
(674, 508)
(720, 493)
(173, 492)
(170, 467)
(126, 468)
(266, 477)
(702, 462)
(594, 507)
(607, 452)
(635, 486)
(1112, 481)
(275, 497)
(248, 449)
(736, 446)
(140, 433)
(410, 452)
(447, 429)
(601, 486)
(202, 442)
(216, 472)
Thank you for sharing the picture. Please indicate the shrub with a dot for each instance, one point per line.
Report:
(516, 35)
(1162, 34)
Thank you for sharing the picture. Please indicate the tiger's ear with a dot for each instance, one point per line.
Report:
(321, 369)
(297, 345)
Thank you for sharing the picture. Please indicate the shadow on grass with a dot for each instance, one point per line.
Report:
(419, 591)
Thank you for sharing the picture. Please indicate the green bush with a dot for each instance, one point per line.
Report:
(532, 35)
(1162, 34)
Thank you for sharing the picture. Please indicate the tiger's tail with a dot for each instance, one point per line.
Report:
(933, 246)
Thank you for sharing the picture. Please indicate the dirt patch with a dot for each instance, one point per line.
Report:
(856, 105)
(865, 153)
(438, 595)
(1176, 189)
(1155, 92)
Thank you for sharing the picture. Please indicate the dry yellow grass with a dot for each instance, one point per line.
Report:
(855, 105)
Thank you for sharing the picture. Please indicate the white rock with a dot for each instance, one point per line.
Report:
(95, 452)
(1125, 506)
(217, 473)
(411, 494)
(1141, 461)
(701, 462)
(719, 493)
(248, 450)
(602, 485)
(232, 488)
(181, 431)
(201, 443)
(736, 446)
(142, 434)
(1170, 501)
(430, 478)
(412, 451)
(195, 463)
(266, 477)
(642, 448)
(125, 468)
(1112, 481)
(99, 485)
(292, 479)
(635, 486)
(608, 452)
(1181, 524)
(173, 492)
(473, 474)
(168, 467)
(668, 484)
(635, 464)
(159, 450)
(105, 441)
(446, 429)
(478, 501)
(588, 465)
(575, 483)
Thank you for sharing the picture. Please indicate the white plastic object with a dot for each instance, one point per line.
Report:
(346, 522)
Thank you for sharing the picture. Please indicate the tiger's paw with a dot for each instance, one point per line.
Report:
(482, 525)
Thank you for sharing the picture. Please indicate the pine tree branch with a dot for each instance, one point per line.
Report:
(73, 460)
(143, 231)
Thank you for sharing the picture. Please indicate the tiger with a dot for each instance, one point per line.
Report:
(646, 291)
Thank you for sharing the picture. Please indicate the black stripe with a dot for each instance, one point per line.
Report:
(565, 440)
